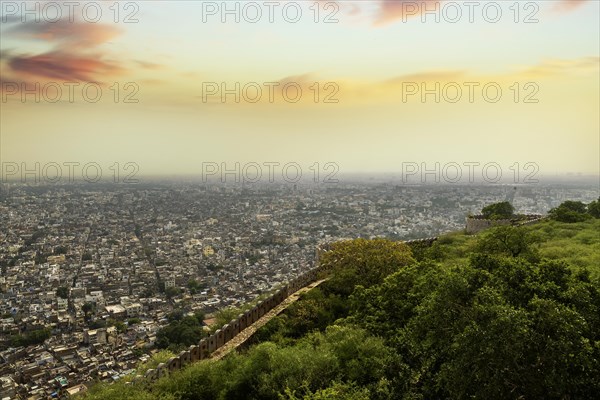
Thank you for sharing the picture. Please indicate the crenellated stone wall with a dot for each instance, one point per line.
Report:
(208, 345)
(222, 336)
(478, 223)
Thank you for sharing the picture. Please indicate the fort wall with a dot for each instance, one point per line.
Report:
(222, 336)
(478, 223)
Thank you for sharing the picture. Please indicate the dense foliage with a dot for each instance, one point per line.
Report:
(181, 332)
(363, 261)
(62, 292)
(502, 210)
(508, 241)
(498, 328)
(30, 338)
(511, 313)
(575, 211)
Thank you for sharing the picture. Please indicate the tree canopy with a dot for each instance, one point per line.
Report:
(365, 262)
(502, 210)
(575, 211)
(62, 292)
(181, 332)
(507, 240)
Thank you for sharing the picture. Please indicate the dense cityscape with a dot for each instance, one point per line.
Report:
(89, 273)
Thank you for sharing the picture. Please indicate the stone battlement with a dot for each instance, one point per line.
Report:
(204, 349)
(209, 345)
(478, 223)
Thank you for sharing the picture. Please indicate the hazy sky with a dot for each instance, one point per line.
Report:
(395, 84)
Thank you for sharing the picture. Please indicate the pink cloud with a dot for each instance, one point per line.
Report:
(75, 53)
(62, 66)
(64, 33)
(391, 10)
(570, 5)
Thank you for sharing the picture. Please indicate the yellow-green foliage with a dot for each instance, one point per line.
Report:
(453, 248)
(118, 391)
(576, 243)
(123, 389)
(364, 262)
(341, 353)
(337, 391)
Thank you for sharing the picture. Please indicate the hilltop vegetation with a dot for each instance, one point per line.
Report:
(511, 313)
(503, 210)
(575, 211)
(577, 244)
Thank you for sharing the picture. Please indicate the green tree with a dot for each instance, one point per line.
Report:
(570, 212)
(62, 292)
(172, 291)
(60, 250)
(30, 338)
(121, 327)
(337, 391)
(315, 311)
(507, 240)
(176, 315)
(96, 324)
(363, 262)
(502, 210)
(594, 208)
(180, 333)
(89, 309)
(498, 328)
(194, 286)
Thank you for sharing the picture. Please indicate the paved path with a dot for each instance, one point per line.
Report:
(244, 335)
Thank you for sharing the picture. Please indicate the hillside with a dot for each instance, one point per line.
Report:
(578, 244)
(509, 313)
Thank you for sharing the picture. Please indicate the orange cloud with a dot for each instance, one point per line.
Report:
(62, 66)
(74, 54)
